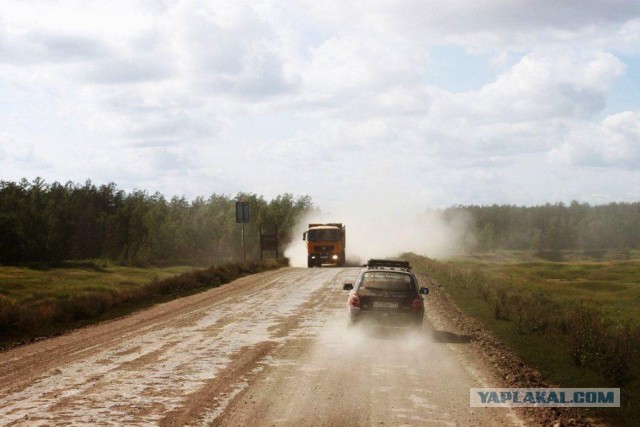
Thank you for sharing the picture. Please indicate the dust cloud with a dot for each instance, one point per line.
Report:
(375, 233)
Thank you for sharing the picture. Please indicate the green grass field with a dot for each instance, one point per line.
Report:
(28, 284)
(41, 301)
(577, 321)
(613, 286)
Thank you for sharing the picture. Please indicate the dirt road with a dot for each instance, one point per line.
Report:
(270, 349)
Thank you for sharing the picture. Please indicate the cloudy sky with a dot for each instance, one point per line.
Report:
(444, 102)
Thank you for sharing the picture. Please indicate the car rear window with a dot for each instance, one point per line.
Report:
(387, 281)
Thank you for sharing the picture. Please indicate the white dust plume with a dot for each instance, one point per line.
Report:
(376, 233)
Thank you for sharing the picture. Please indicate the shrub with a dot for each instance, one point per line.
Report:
(600, 346)
(47, 310)
(552, 255)
(26, 318)
(535, 313)
(86, 305)
(7, 309)
(594, 253)
(502, 309)
(484, 291)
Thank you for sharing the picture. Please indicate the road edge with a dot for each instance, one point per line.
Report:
(504, 365)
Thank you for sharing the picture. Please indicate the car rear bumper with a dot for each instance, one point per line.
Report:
(385, 317)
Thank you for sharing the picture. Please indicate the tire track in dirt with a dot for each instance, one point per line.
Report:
(140, 368)
(212, 397)
(266, 349)
(211, 394)
(41, 357)
(332, 376)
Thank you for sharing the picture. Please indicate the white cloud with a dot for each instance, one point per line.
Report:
(17, 155)
(235, 48)
(329, 98)
(540, 86)
(614, 142)
(16, 151)
(488, 25)
(48, 47)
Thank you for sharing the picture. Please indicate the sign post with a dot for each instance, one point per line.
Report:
(242, 217)
(269, 242)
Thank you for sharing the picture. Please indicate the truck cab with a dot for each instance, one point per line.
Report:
(325, 244)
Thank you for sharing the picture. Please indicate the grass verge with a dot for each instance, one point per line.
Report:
(575, 322)
(42, 301)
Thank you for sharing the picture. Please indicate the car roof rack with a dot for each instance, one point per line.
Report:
(388, 263)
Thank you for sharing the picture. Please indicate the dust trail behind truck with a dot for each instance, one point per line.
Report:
(325, 244)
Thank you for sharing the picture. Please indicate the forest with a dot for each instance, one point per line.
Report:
(552, 228)
(42, 222)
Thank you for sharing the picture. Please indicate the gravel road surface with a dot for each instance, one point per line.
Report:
(269, 349)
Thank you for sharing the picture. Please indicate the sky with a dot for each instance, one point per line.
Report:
(412, 103)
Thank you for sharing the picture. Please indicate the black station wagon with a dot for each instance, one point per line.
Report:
(386, 293)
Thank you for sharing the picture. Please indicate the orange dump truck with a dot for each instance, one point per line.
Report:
(325, 244)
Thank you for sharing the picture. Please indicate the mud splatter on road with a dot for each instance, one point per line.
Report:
(267, 349)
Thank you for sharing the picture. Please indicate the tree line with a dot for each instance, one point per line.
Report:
(552, 227)
(42, 222)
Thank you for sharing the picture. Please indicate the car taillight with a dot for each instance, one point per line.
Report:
(354, 300)
(416, 304)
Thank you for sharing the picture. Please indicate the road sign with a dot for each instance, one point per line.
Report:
(242, 212)
(268, 242)
(242, 217)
